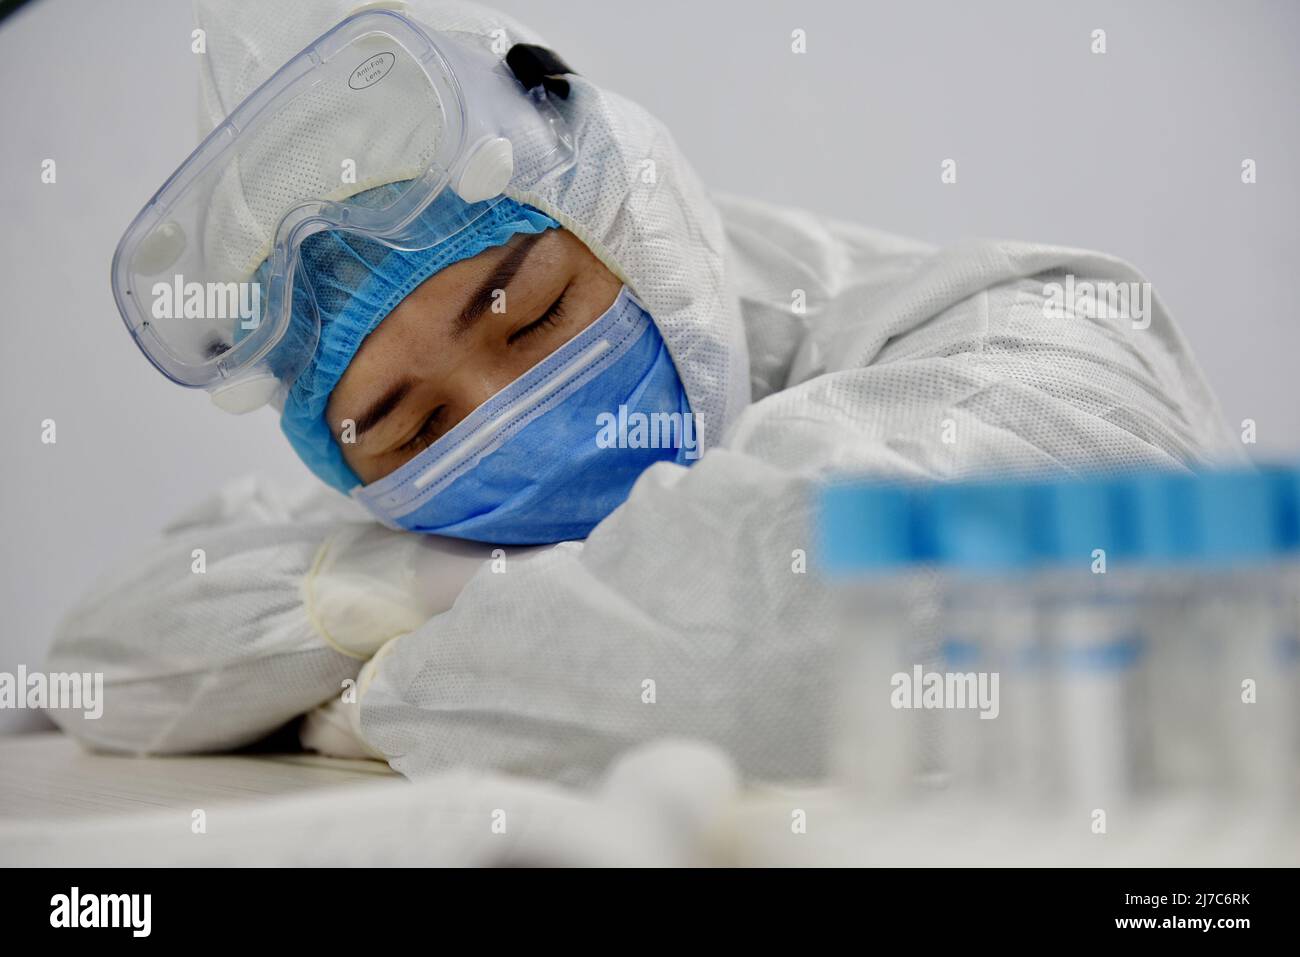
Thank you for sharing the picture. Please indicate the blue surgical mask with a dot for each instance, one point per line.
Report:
(553, 453)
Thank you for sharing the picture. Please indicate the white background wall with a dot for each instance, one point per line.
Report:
(1136, 152)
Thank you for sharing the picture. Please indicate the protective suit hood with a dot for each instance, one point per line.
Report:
(630, 196)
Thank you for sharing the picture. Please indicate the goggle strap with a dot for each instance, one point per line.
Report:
(535, 66)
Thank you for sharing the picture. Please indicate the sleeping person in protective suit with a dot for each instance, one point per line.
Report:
(565, 405)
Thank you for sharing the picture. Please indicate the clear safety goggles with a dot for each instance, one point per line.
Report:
(205, 275)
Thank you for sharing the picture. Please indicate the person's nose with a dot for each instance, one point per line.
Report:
(475, 383)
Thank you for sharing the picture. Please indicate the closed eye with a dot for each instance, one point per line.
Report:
(551, 317)
(430, 429)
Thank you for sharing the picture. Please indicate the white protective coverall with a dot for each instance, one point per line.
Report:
(536, 662)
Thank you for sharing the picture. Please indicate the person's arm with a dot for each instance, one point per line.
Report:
(253, 609)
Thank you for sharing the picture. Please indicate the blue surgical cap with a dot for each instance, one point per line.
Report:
(356, 283)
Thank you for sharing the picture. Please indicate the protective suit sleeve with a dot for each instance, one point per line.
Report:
(256, 606)
(205, 643)
(683, 614)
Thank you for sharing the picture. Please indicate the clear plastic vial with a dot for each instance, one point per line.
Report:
(881, 601)
(1088, 597)
(989, 734)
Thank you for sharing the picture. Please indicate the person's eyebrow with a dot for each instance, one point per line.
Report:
(380, 408)
(499, 278)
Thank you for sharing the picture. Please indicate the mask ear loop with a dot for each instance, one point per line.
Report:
(535, 66)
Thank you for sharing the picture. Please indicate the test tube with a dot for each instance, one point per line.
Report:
(868, 546)
(1180, 730)
(1244, 629)
(983, 538)
(1088, 595)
